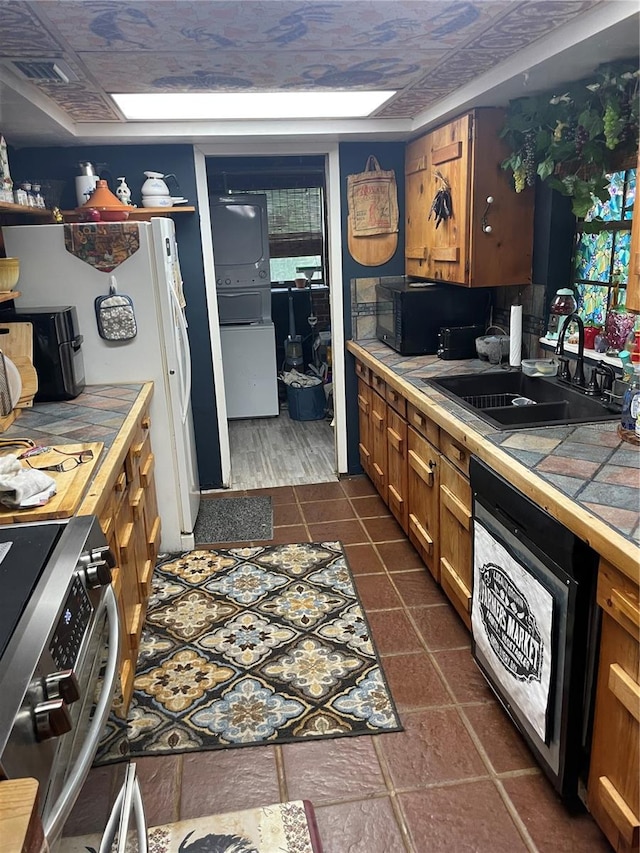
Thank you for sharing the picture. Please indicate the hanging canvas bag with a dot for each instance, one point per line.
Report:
(372, 199)
(115, 316)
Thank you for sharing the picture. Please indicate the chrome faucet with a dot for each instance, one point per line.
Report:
(565, 373)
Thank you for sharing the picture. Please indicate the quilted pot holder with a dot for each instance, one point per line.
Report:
(115, 315)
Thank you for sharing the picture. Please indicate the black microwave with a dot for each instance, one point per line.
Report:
(409, 314)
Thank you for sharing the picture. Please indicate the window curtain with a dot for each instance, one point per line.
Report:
(295, 221)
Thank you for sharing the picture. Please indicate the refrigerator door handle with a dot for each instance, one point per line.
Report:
(184, 353)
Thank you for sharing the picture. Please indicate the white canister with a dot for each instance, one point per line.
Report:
(85, 185)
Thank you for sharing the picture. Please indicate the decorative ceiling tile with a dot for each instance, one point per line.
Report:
(264, 70)
(423, 49)
(177, 25)
(22, 34)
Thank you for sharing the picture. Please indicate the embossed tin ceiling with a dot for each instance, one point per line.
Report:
(423, 49)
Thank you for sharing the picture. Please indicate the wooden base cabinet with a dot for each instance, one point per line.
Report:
(455, 538)
(378, 421)
(397, 450)
(364, 424)
(123, 497)
(484, 243)
(423, 499)
(614, 774)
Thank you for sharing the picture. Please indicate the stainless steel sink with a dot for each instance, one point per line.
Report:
(539, 401)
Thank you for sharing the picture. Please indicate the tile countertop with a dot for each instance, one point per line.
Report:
(587, 463)
(95, 415)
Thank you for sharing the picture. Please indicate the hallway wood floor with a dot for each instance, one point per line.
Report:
(270, 452)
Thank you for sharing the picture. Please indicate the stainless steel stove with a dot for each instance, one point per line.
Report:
(59, 635)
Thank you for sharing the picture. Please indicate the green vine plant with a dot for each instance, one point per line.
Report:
(572, 139)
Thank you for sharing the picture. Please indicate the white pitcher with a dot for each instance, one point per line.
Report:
(155, 185)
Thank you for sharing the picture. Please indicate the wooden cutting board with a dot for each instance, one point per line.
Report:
(16, 342)
(71, 485)
(373, 250)
(29, 380)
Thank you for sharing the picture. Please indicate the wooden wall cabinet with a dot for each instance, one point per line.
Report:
(614, 774)
(482, 244)
(633, 285)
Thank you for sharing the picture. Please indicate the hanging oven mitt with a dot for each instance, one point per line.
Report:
(115, 315)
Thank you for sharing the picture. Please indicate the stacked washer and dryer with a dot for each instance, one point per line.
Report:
(240, 233)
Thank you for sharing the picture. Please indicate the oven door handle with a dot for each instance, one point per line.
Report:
(61, 809)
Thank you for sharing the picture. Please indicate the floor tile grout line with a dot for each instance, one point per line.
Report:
(393, 798)
(509, 805)
(281, 774)
(515, 817)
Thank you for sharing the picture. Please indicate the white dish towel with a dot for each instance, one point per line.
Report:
(23, 487)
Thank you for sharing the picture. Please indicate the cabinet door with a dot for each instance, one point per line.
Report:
(417, 206)
(422, 495)
(633, 285)
(456, 570)
(379, 444)
(614, 777)
(397, 467)
(449, 159)
(364, 424)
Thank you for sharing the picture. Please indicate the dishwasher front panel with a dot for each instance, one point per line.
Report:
(534, 623)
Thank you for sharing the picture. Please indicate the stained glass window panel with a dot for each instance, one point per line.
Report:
(593, 257)
(611, 209)
(631, 194)
(592, 303)
(621, 253)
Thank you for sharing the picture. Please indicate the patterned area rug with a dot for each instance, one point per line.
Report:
(252, 646)
(280, 828)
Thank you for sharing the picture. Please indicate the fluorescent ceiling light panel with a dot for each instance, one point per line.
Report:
(185, 106)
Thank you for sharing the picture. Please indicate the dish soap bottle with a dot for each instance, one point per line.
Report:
(631, 404)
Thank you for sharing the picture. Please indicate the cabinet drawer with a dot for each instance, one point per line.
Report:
(618, 596)
(378, 384)
(397, 401)
(424, 425)
(455, 452)
(363, 372)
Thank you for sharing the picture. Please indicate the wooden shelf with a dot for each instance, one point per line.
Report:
(7, 207)
(6, 295)
(137, 214)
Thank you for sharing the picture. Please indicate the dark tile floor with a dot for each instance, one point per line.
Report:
(459, 778)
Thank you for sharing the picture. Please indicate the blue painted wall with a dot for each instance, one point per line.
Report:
(131, 161)
(353, 157)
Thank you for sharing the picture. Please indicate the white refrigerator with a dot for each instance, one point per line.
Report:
(52, 276)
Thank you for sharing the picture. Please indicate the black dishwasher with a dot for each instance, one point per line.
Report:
(535, 624)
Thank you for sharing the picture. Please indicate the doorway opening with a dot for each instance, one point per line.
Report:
(275, 437)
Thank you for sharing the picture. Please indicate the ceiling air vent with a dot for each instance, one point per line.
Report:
(44, 70)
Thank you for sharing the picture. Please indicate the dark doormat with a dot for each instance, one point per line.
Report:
(246, 519)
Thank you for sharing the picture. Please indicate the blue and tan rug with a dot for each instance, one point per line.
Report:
(249, 646)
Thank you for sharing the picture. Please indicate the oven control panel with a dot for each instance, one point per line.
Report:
(72, 626)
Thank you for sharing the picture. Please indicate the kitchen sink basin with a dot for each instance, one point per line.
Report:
(512, 400)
